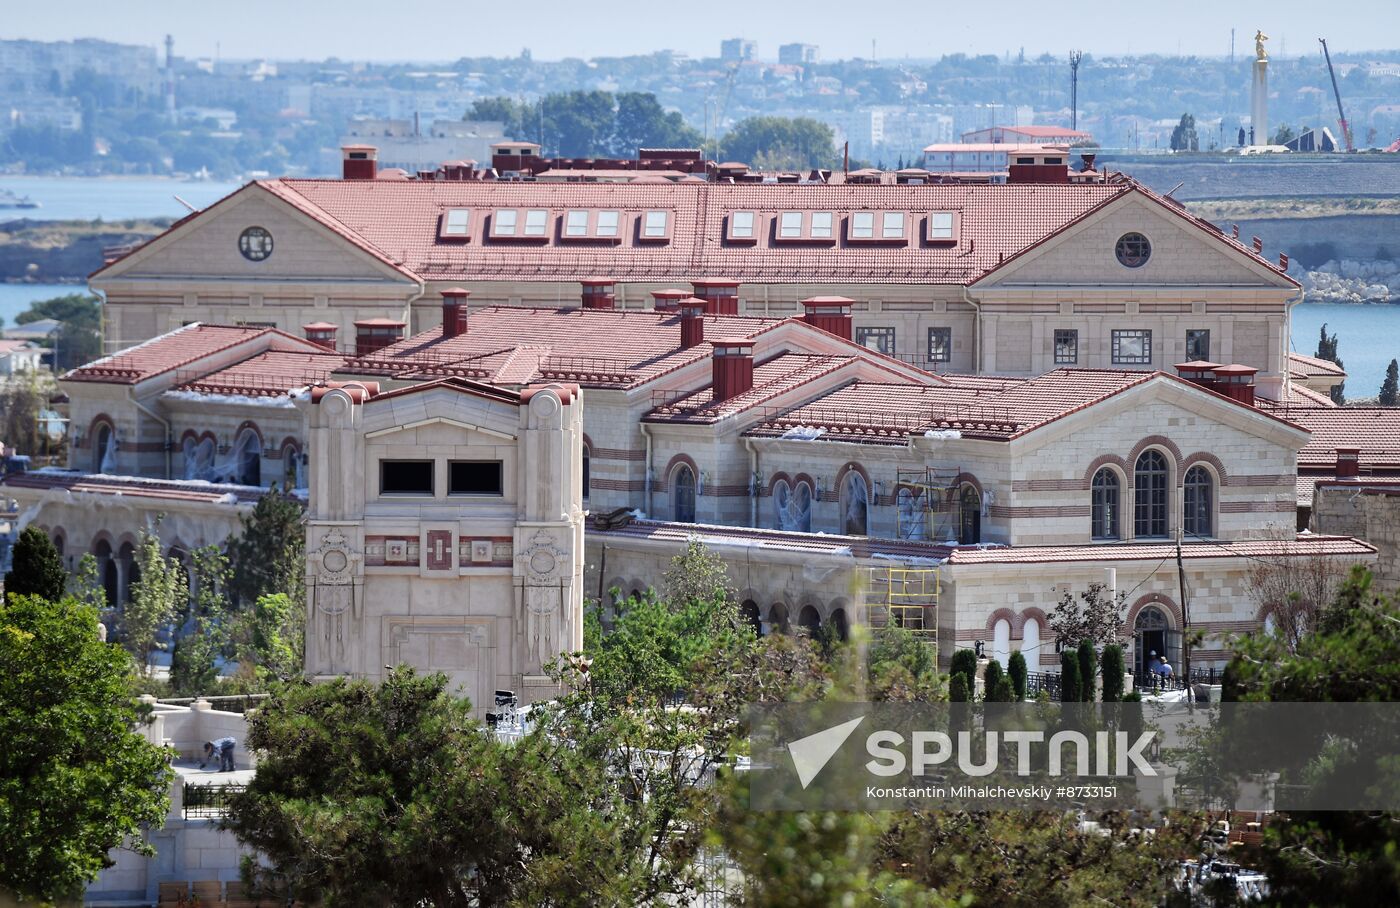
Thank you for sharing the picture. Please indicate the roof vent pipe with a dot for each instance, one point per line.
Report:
(733, 368)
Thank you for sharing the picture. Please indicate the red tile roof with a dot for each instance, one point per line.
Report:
(779, 375)
(516, 345)
(1310, 366)
(164, 353)
(269, 374)
(398, 221)
(780, 540)
(1304, 546)
(134, 487)
(1375, 431)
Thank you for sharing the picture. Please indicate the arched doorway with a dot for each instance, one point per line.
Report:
(104, 449)
(748, 611)
(840, 623)
(809, 620)
(107, 570)
(1153, 636)
(778, 618)
(969, 516)
(128, 572)
(683, 495)
(855, 505)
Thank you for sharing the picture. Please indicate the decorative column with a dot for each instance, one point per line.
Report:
(1259, 93)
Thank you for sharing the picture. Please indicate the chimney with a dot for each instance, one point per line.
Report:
(733, 363)
(668, 300)
(1087, 162)
(721, 296)
(1038, 173)
(1236, 382)
(598, 293)
(829, 313)
(1348, 463)
(1198, 372)
(692, 322)
(320, 333)
(374, 334)
(359, 162)
(454, 311)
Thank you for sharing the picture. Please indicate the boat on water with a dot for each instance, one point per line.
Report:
(9, 200)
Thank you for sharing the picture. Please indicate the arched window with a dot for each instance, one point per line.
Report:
(587, 482)
(855, 505)
(839, 622)
(683, 495)
(782, 504)
(1105, 505)
(1030, 642)
(293, 472)
(199, 457)
(802, 508)
(749, 613)
(778, 618)
(1001, 642)
(1150, 496)
(104, 449)
(107, 565)
(809, 620)
(247, 458)
(1196, 515)
(969, 516)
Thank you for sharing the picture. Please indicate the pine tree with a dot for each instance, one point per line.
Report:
(268, 556)
(1327, 349)
(37, 568)
(1016, 668)
(1390, 388)
(1088, 670)
(1069, 677)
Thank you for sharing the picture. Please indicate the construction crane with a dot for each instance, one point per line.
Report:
(1341, 114)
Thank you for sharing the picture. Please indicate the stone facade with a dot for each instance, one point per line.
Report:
(1368, 509)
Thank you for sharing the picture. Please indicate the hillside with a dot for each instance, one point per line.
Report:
(56, 251)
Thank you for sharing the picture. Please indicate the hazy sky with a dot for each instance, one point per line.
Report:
(448, 29)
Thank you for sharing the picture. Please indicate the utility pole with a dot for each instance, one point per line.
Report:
(1185, 613)
(1075, 56)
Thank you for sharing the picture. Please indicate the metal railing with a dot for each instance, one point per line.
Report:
(208, 800)
(1042, 681)
(229, 703)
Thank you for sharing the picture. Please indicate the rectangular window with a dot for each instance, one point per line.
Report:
(790, 225)
(741, 225)
(1132, 348)
(863, 225)
(576, 223)
(1025, 160)
(942, 227)
(608, 223)
(503, 222)
(940, 345)
(654, 226)
(821, 225)
(456, 224)
(1198, 344)
(405, 477)
(893, 225)
(878, 339)
(535, 222)
(1066, 346)
(474, 477)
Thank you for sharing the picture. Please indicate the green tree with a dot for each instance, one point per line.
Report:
(1327, 349)
(1069, 677)
(780, 143)
(641, 122)
(697, 575)
(193, 664)
(1088, 670)
(902, 667)
(991, 678)
(277, 639)
(957, 689)
(1284, 135)
(964, 663)
(1094, 614)
(1390, 388)
(157, 595)
(85, 585)
(268, 556)
(1184, 135)
(1112, 673)
(577, 124)
(1019, 674)
(22, 398)
(36, 567)
(76, 779)
(78, 338)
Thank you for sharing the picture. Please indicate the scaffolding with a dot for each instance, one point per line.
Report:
(902, 596)
(927, 503)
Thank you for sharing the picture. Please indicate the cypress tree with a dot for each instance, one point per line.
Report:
(1016, 668)
(37, 568)
(965, 664)
(1088, 668)
(1390, 388)
(957, 688)
(1112, 673)
(1069, 677)
(991, 675)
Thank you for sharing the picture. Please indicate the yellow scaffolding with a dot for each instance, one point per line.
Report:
(904, 597)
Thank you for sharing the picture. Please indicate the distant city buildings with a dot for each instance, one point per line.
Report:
(797, 54)
(737, 50)
(1051, 135)
(410, 146)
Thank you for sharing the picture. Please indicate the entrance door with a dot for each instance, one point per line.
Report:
(970, 522)
(1151, 638)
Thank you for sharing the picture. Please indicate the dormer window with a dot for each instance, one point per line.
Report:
(654, 227)
(863, 225)
(743, 227)
(503, 222)
(576, 223)
(821, 225)
(805, 227)
(535, 222)
(892, 225)
(456, 224)
(583, 226)
(790, 225)
(943, 227)
(608, 222)
(887, 228)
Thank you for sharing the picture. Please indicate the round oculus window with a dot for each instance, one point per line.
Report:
(1133, 250)
(255, 243)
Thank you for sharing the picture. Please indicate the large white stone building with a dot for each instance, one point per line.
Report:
(940, 405)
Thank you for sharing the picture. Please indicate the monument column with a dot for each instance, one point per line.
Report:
(1259, 94)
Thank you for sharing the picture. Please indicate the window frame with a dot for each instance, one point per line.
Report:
(500, 474)
(1151, 497)
(954, 229)
(498, 231)
(804, 230)
(1138, 258)
(675, 489)
(644, 234)
(446, 229)
(1105, 506)
(1119, 335)
(1072, 335)
(567, 225)
(881, 221)
(784, 226)
(732, 229)
(535, 231)
(1198, 482)
(868, 331)
(1198, 334)
(946, 331)
(408, 493)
